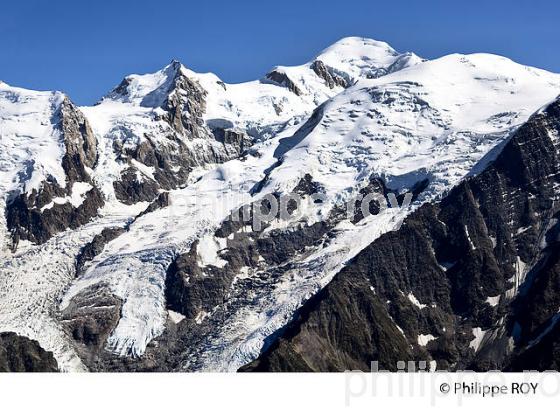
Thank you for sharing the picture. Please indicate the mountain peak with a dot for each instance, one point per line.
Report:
(349, 47)
(365, 57)
(147, 89)
(175, 63)
(354, 42)
(175, 67)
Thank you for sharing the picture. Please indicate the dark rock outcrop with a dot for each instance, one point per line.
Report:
(235, 141)
(282, 79)
(94, 248)
(307, 186)
(80, 143)
(27, 220)
(160, 202)
(191, 289)
(20, 354)
(132, 188)
(331, 78)
(89, 320)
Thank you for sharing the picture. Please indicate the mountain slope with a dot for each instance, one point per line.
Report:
(159, 276)
(466, 283)
(403, 132)
(47, 152)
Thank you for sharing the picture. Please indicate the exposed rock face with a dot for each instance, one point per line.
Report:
(94, 248)
(185, 104)
(27, 220)
(160, 202)
(89, 320)
(235, 141)
(307, 186)
(133, 187)
(80, 143)
(471, 282)
(332, 79)
(40, 214)
(282, 79)
(20, 354)
(192, 288)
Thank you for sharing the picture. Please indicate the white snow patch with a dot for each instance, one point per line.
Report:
(478, 334)
(517, 279)
(446, 265)
(469, 238)
(208, 249)
(493, 300)
(415, 301)
(423, 340)
(78, 196)
(200, 317)
(175, 317)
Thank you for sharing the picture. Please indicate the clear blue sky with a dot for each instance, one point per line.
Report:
(84, 49)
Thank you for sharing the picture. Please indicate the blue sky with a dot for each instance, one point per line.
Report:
(84, 49)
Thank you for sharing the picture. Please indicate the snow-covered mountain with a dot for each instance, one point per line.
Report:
(118, 247)
(470, 282)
